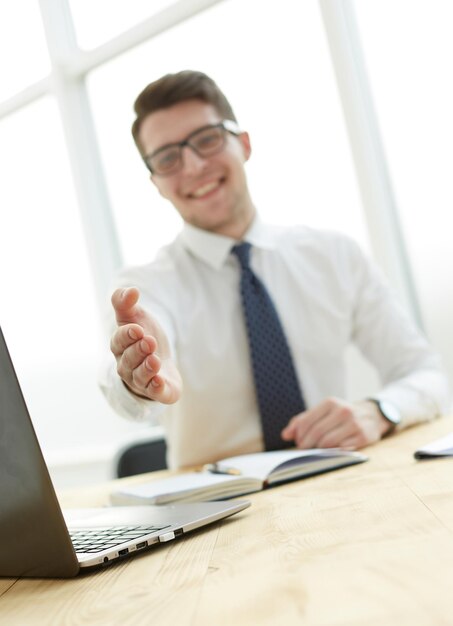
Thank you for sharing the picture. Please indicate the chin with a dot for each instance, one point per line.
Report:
(210, 219)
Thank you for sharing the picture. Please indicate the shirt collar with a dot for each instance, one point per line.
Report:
(214, 249)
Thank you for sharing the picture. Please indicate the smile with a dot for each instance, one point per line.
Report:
(204, 190)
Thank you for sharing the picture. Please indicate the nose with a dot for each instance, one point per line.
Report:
(191, 161)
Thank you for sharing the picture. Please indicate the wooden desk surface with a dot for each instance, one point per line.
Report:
(367, 545)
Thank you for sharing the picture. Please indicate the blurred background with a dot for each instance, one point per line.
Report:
(348, 105)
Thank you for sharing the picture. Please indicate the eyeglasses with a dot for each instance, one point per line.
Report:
(205, 142)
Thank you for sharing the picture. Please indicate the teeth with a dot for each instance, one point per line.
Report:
(201, 191)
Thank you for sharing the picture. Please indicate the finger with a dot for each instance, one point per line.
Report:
(164, 389)
(124, 337)
(157, 380)
(143, 373)
(124, 302)
(296, 423)
(334, 437)
(351, 443)
(135, 355)
(158, 389)
(337, 417)
(299, 425)
(138, 364)
(358, 440)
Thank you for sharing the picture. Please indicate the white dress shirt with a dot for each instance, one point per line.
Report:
(327, 295)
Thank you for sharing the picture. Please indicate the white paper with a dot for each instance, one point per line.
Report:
(439, 447)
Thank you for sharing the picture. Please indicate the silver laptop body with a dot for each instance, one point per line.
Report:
(35, 534)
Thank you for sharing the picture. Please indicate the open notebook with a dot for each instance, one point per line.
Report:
(238, 475)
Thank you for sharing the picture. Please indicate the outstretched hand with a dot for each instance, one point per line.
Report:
(142, 351)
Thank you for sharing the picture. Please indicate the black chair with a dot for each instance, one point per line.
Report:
(138, 458)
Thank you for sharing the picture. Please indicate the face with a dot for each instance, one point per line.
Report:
(210, 193)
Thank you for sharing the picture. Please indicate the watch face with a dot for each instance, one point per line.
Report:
(390, 412)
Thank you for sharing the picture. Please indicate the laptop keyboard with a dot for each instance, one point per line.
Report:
(98, 539)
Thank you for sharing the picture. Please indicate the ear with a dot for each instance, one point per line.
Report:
(246, 145)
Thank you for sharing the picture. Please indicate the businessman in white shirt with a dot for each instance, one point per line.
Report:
(179, 337)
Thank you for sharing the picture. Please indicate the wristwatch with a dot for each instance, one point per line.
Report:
(388, 411)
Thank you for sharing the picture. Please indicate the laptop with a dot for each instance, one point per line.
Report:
(38, 539)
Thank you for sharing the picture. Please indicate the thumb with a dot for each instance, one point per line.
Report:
(124, 302)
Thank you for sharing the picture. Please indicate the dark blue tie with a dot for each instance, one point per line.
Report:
(277, 389)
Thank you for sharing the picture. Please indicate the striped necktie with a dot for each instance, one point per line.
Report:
(277, 389)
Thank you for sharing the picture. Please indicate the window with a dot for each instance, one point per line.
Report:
(22, 46)
(48, 312)
(413, 92)
(97, 21)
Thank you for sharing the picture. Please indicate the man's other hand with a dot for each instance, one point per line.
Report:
(335, 423)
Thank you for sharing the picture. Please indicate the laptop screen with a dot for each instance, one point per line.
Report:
(34, 537)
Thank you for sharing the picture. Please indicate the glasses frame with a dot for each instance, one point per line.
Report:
(228, 126)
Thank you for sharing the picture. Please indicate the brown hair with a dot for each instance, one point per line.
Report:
(173, 88)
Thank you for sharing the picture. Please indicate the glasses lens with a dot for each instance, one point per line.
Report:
(205, 142)
(208, 141)
(165, 161)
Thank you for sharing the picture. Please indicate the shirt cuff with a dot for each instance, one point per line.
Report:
(415, 401)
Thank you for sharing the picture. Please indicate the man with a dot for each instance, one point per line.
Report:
(181, 343)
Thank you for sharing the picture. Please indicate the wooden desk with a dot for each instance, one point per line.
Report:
(366, 545)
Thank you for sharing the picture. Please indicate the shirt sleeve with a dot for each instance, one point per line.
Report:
(411, 372)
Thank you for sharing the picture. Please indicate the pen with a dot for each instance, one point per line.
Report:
(215, 468)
